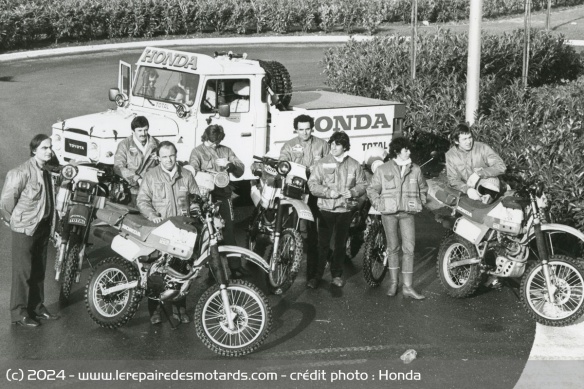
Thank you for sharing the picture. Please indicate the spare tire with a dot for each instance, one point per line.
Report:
(278, 79)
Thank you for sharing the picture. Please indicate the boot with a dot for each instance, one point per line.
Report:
(408, 289)
(393, 281)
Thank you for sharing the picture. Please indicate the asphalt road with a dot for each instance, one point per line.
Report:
(483, 341)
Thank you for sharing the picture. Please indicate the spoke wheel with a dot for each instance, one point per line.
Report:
(70, 271)
(459, 281)
(567, 302)
(287, 261)
(375, 257)
(252, 319)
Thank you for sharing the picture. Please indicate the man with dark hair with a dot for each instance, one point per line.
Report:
(163, 192)
(27, 206)
(468, 161)
(135, 155)
(211, 156)
(335, 179)
(307, 150)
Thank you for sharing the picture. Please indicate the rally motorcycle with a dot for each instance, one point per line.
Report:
(161, 261)
(280, 200)
(511, 237)
(80, 193)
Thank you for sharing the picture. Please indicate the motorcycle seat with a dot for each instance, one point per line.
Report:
(474, 209)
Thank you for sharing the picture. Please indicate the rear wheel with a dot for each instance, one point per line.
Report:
(375, 256)
(459, 280)
(253, 319)
(567, 289)
(287, 261)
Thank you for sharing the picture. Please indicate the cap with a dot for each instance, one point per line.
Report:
(241, 88)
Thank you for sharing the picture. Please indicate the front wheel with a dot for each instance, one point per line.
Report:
(375, 256)
(286, 261)
(116, 309)
(253, 319)
(567, 289)
(459, 279)
(71, 262)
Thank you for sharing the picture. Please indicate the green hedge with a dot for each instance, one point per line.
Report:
(26, 23)
(541, 124)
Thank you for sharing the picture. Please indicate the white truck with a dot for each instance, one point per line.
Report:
(181, 93)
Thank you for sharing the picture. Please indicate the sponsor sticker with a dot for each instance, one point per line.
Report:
(462, 210)
(130, 229)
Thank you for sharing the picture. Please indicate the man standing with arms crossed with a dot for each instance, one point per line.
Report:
(307, 150)
(135, 155)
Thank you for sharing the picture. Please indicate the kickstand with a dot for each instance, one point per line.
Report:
(168, 318)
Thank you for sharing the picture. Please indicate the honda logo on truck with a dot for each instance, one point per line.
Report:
(351, 122)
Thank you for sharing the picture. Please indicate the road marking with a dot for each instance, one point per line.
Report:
(350, 349)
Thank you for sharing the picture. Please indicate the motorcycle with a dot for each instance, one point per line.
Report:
(280, 200)
(375, 260)
(161, 262)
(511, 237)
(79, 195)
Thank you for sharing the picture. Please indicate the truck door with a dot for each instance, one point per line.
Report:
(239, 126)
(125, 78)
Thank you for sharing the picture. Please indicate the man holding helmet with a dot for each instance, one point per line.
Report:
(468, 161)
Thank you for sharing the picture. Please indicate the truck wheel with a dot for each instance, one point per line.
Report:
(279, 80)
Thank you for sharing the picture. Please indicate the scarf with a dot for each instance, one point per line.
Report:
(402, 164)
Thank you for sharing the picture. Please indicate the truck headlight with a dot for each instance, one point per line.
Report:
(93, 152)
(57, 142)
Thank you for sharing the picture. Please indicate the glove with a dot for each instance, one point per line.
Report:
(473, 194)
(472, 180)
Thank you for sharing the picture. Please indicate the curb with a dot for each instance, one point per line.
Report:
(182, 42)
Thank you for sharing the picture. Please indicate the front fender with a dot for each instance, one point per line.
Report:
(302, 209)
(560, 227)
(234, 251)
(79, 215)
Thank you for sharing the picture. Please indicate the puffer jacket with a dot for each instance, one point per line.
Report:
(129, 158)
(481, 159)
(330, 174)
(305, 153)
(159, 194)
(203, 159)
(390, 193)
(23, 198)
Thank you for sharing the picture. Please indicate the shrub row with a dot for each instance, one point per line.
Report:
(24, 23)
(525, 126)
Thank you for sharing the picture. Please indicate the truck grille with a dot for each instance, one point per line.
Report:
(75, 147)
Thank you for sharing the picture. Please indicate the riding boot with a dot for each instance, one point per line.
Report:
(408, 289)
(393, 281)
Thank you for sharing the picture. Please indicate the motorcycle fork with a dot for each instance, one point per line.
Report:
(277, 233)
(542, 250)
(64, 236)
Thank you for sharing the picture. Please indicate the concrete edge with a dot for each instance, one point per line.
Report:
(182, 42)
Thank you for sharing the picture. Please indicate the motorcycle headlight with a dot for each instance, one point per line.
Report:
(69, 172)
(84, 185)
(284, 167)
(297, 181)
(93, 152)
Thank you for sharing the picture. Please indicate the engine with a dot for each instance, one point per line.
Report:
(511, 257)
(160, 284)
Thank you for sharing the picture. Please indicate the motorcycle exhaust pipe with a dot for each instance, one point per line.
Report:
(104, 234)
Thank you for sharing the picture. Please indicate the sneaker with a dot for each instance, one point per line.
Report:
(184, 318)
(156, 318)
(338, 281)
(312, 283)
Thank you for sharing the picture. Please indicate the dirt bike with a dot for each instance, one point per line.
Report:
(511, 238)
(375, 260)
(80, 194)
(161, 261)
(280, 200)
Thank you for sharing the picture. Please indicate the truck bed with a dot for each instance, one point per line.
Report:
(328, 100)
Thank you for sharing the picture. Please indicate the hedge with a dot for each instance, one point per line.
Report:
(27, 23)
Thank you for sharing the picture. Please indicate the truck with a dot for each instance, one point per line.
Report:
(182, 93)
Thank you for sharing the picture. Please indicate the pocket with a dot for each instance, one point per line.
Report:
(388, 204)
(414, 205)
(329, 178)
(388, 181)
(32, 192)
(159, 193)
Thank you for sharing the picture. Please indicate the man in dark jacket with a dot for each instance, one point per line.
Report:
(27, 206)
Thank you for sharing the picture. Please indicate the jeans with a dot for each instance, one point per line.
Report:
(311, 241)
(338, 222)
(406, 224)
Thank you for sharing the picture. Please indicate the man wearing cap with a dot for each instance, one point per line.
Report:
(468, 161)
(307, 150)
(241, 102)
(135, 155)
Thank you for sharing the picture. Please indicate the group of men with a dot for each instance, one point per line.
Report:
(157, 182)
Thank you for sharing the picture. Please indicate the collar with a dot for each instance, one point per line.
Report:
(139, 145)
(399, 162)
(172, 172)
(341, 157)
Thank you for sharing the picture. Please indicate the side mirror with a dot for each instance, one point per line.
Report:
(113, 92)
(224, 110)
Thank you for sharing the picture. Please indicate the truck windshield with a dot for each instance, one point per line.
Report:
(166, 85)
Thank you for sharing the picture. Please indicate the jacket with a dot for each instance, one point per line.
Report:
(24, 199)
(159, 194)
(203, 159)
(329, 174)
(129, 158)
(305, 153)
(390, 193)
(460, 165)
